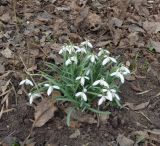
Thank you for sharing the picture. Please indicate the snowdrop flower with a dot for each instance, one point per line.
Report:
(26, 82)
(70, 60)
(124, 70)
(110, 94)
(103, 52)
(80, 49)
(87, 43)
(92, 58)
(108, 59)
(88, 72)
(82, 94)
(68, 48)
(82, 79)
(120, 73)
(50, 88)
(33, 96)
(101, 82)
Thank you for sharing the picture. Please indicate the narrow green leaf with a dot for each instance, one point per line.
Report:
(69, 115)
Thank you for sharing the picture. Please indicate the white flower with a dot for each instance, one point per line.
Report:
(103, 52)
(68, 48)
(92, 58)
(101, 100)
(80, 49)
(88, 72)
(87, 43)
(26, 82)
(82, 79)
(50, 88)
(82, 94)
(110, 94)
(33, 96)
(70, 60)
(124, 70)
(120, 73)
(108, 59)
(101, 82)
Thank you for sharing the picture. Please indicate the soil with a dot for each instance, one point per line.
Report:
(38, 31)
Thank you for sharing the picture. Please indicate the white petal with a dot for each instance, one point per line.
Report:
(109, 96)
(113, 59)
(92, 58)
(78, 78)
(22, 82)
(82, 81)
(78, 94)
(49, 91)
(117, 96)
(28, 82)
(33, 96)
(100, 53)
(61, 51)
(105, 61)
(68, 62)
(104, 90)
(86, 78)
(121, 77)
(56, 87)
(101, 100)
(46, 85)
(88, 72)
(90, 45)
(84, 96)
(113, 74)
(104, 83)
(96, 83)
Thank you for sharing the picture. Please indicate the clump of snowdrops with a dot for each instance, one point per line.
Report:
(89, 81)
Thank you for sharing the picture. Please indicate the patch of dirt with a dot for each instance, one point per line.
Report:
(32, 31)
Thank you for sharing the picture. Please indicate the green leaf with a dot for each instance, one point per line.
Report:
(69, 115)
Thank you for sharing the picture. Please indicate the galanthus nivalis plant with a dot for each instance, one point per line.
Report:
(83, 79)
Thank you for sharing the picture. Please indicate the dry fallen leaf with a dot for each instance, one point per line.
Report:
(75, 134)
(44, 111)
(136, 88)
(2, 69)
(7, 53)
(155, 45)
(136, 107)
(151, 27)
(124, 141)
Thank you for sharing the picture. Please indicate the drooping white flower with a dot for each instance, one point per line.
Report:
(92, 58)
(101, 100)
(68, 48)
(124, 70)
(88, 72)
(120, 72)
(118, 75)
(80, 49)
(87, 43)
(109, 95)
(108, 59)
(82, 94)
(101, 82)
(71, 60)
(103, 52)
(82, 79)
(26, 82)
(50, 88)
(33, 96)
